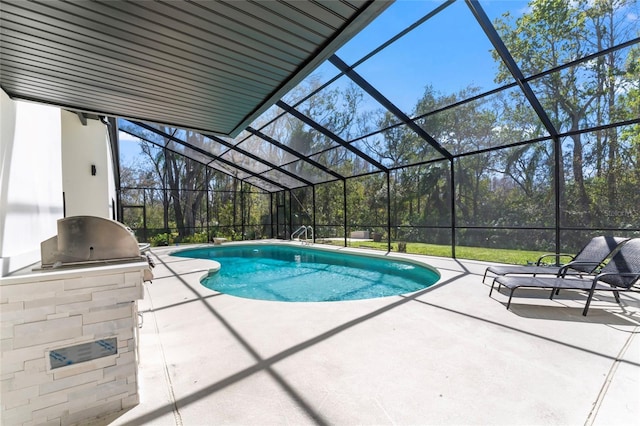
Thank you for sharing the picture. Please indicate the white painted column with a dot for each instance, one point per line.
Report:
(30, 180)
(84, 146)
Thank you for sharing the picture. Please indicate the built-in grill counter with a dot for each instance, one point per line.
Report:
(69, 326)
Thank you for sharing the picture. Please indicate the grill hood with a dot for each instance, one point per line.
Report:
(89, 239)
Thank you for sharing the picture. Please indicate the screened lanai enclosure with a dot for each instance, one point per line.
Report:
(446, 125)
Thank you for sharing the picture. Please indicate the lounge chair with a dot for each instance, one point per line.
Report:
(588, 259)
(621, 273)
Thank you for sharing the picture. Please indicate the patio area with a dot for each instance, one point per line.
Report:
(449, 354)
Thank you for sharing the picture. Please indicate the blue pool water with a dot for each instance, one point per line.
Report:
(302, 274)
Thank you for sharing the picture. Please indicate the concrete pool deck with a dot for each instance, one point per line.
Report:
(449, 354)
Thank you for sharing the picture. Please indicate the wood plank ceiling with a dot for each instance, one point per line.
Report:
(211, 66)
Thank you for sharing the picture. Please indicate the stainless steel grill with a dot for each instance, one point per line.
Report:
(88, 239)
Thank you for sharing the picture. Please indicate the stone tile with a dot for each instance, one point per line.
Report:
(35, 365)
(6, 384)
(133, 278)
(106, 329)
(124, 344)
(6, 345)
(81, 396)
(114, 388)
(5, 377)
(129, 294)
(19, 396)
(43, 421)
(92, 411)
(7, 310)
(55, 412)
(71, 381)
(58, 315)
(6, 329)
(24, 379)
(83, 307)
(11, 367)
(126, 358)
(131, 401)
(108, 314)
(32, 291)
(47, 331)
(121, 370)
(37, 314)
(93, 281)
(84, 367)
(29, 353)
(63, 298)
(18, 415)
(125, 334)
(50, 400)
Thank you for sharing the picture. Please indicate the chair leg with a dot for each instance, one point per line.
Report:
(616, 294)
(485, 276)
(510, 296)
(493, 283)
(586, 306)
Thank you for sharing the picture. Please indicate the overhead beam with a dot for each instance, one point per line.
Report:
(256, 158)
(317, 126)
(404, 32)
(490, 31)
(207, 165)
(205, 153)
(294, 153)
(82, 117)
(495, 39)
(390, 106)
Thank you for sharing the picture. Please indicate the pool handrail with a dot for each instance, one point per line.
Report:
(298, 232)
(302, 230)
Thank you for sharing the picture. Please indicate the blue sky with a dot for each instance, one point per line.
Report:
(449, 51)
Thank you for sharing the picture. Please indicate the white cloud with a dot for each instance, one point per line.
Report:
(122, 136)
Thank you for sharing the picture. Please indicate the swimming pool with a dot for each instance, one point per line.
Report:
(301, 274)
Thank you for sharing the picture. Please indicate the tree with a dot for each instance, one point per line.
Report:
(187, 188)
(554, 33)
(180, 180)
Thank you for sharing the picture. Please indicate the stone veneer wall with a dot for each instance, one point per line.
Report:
(46, 311)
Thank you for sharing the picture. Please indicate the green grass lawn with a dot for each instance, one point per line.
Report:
(516, 257)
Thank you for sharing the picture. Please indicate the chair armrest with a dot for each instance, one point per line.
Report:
(619, 274)
(563, 270)
(556, 255)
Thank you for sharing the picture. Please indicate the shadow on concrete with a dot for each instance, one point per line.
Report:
(266, 364)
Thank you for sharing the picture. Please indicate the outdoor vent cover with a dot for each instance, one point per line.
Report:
(84, 352)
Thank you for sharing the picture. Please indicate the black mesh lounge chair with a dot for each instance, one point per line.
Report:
(588, 259)
(621, 273)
